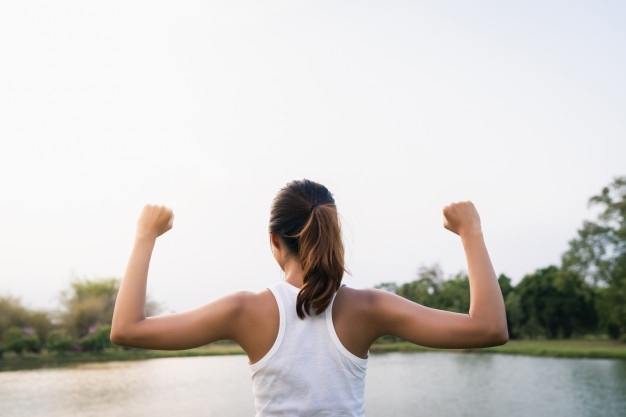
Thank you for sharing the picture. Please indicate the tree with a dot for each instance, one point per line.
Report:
(89, 305)
(454, 294)
(598, 254)
(14, 314)
(425, 289)
(97, 340)
(20, 340)
(552, 303)
(59, 341)
(505, 285)
(387, 286)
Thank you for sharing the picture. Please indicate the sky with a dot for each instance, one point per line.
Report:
(210, 107)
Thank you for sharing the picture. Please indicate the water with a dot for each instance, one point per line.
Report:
(432, 384)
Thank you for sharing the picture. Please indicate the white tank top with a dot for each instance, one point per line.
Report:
(307, 372)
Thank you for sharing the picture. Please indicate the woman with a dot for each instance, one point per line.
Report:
(307, 337)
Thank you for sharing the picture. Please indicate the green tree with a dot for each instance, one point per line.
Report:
(89, 304)
(454, 294)
(98, 339)
(19, 340)
(598, 254)
(14, 314)
(425, 289)
(387, 286)
(553, 303)
(59, 341)
(505, 285)
(515, 316)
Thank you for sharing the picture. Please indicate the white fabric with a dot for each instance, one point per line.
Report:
(307, 372)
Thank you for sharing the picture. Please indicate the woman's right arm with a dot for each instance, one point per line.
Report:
(484, 324)
(217, 320)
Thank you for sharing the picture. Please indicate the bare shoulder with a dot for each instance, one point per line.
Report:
(355, 316)
(363, 300)
(379, 312)
(247, 305)
(250, 300)
(258, 325)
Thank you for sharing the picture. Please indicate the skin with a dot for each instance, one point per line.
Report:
(360, 315)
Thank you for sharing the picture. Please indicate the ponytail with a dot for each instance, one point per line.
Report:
(321, 255)
(305, 217)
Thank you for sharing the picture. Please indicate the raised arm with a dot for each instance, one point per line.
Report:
(485, 323)
(131, 327)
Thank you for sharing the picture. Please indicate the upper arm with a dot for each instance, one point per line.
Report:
(214, 321)
(397, 316)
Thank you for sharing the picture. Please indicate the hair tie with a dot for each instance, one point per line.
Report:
(312, 207)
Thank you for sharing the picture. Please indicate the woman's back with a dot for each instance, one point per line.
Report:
(307, 371)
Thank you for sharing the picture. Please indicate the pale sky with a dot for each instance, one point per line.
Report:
(210, 107)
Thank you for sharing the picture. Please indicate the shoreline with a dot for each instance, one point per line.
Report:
(578, 348)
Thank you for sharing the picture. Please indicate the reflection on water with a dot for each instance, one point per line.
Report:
(398, 384)
(159, 387)
(444, 384)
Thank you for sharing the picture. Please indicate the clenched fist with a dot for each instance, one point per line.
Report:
(461, 218)
(154, 221)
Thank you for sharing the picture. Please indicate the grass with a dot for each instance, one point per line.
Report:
(575, 348)
(11, 361)
(578, 348)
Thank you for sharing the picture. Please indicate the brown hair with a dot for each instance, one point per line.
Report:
(304, 217)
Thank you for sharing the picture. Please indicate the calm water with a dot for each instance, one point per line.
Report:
(430, 384)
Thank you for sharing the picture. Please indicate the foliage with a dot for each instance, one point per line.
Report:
(552, 303)
(90, 303)
(59, 341)
(426, 288)
(598, 254)
(98, 340)
(387, 286)
(83, 323)
(454, 294)
(14, 315)
(433, 290)
(19, 340)
(41, 323)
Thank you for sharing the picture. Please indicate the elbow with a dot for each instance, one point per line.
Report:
(120, 337)
(117, 337)
(500, 338)
(498, 335)
(492, 333)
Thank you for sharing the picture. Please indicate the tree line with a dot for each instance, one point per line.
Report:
(585, 294)
(82, 324)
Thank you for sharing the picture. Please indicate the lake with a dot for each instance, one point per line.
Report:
(429, 384)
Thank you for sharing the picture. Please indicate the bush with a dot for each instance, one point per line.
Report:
(31, 343)
(59, 341)
(98, 340)
(19, 340)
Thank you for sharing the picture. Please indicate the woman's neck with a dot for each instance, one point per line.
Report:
(294, 274)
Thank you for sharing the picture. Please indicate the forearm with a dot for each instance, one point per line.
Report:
(486, 303)
(130, 305)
